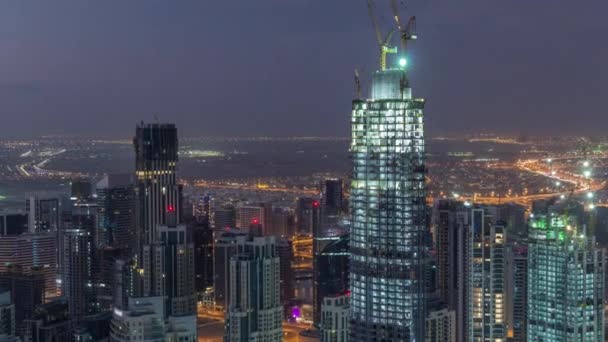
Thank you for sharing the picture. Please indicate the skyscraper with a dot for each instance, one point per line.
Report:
(486, 279)
(565, 277)
(165, 255)
(285, 253)
(308, 215)
(388, 252)
(116, 200)
(330, 270)
(254, 308)
(158, 193)
(78, 286)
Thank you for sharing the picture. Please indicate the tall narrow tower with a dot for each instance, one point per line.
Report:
(158, 192)
(387, 202)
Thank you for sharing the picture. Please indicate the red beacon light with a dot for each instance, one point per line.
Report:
(170, 208)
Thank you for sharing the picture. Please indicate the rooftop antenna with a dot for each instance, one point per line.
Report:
(383, 43)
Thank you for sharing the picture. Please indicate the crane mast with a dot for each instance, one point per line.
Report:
(383, 43)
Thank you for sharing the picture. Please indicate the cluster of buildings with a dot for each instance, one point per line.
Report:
(132, 258)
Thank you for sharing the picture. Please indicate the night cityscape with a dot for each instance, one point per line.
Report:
(301, 171)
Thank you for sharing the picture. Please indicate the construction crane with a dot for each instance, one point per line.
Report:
(406, 33)
(383, 42)
(357, 83)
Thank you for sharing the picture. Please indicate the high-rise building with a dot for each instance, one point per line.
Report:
(224, 217)
(517, 297)
(225, 247)
(283, 222)
(254, 308)
(246, 215)
(44, 211)
(77, 278)
(453, 248)
(486, 279)
(116, 200)
(335, 316)
(32, 252)
(388, 208)
(285, 252)
(308, 215)
(565, 276)
(7, 316)
(441, 326)
(330, 269)
(332, 201)
(158, 194)
(26, 289)
(203, 256)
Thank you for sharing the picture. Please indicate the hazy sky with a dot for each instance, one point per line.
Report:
(285, 67)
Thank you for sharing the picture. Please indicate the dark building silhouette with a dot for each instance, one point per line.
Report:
(116, 200)
(330, 270)
(27, 290)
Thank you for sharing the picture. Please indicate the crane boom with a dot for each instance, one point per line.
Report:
(383, 44)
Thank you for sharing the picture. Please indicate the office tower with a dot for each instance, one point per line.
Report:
(50, 323)
(246, 215)
(32, 252)
(224, 217)
(44, 211)
(332, 201)
(116, 200)
(441, 326)
(13, 222)
(254, 308)
(387, 204)
(335, 316)
(77, 277)
(565, 277)
(308, 215)
(285, 252)
(517, 298)
(330, 269)
(226, 246)
(487, 316)
(158, 195)
(26, 289)
(451, 221)
(203, 255)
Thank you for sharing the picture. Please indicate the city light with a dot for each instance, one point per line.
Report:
(402, 62)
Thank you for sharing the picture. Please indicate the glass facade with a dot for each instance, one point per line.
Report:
(565, 278)
(388, 212)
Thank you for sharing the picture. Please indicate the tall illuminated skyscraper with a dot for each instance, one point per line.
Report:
(388, 253)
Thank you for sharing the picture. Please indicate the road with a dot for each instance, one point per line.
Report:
(211, 329)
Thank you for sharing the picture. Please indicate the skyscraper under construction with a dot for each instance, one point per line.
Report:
(387, 202)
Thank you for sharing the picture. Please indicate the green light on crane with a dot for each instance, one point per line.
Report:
(402, 62)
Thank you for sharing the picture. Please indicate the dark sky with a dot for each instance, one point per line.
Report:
(285, 67)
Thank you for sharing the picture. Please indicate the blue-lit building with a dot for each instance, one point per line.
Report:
(388, 252)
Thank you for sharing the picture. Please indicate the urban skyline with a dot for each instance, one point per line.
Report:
(390, 235)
